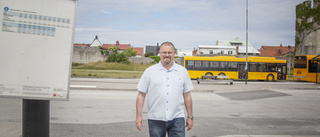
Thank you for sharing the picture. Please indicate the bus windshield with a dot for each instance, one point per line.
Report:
(300, 62)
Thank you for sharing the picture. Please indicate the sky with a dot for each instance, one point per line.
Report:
(186, 23)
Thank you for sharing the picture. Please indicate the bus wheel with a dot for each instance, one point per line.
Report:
(270, 77)
(221, 74)
(209, 74)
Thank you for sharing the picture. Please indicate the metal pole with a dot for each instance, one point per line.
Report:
(290, 60)
(246, 43)
(35, 122)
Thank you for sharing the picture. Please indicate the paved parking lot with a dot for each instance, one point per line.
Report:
(106, 107)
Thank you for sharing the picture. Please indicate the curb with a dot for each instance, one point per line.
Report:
(271, 136)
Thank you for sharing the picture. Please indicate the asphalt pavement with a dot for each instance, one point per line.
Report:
(206, 86)
(105, 107)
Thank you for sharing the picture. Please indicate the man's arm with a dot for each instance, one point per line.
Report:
(139, 105)
(188, 104)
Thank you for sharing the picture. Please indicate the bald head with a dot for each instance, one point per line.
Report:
(167, 43)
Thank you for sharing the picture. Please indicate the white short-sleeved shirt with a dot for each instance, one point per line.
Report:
(164, 89)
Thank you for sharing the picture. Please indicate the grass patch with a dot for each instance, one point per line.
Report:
(106, 73)
(111, 70)
(111, 66)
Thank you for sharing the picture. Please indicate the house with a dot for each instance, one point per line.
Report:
(241, 46)
(274, 51)
(227, 47)
(122, 47)
(81, 44)
(96, 42)
(139, 51)
(154, 49)
(216, 50)
(182, 53)
(279, 51)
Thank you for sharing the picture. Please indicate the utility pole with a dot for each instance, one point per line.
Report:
(246, 43)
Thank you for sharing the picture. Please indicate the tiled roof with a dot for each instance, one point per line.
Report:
(121, 46)
(82, 44)
(272, 51)
(139, 50)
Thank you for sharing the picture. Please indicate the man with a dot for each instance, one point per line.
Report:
(168, 86)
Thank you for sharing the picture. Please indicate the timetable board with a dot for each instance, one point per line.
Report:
(36, 48)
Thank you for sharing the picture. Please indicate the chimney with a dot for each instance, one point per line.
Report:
(237, 50)
(96, 37)
(117, 43)
(281, 45)
(157, 49)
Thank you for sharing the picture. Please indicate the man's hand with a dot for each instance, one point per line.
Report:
(189, 124)
(139, 121)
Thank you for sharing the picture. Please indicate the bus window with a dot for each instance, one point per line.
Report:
(190, 64)
(261, 67)
(284, 69)
(233, 66)
(313, 66)
(300, 62)
(205, 65)
(253, 67)
(197, 65)
(279, 70)
(223, 66)
(214, 65)
(271, 67)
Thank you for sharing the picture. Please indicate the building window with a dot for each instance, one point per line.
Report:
(229, 52)
(236, 44)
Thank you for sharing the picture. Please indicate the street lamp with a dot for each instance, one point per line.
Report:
(246, 69)
(290, 52)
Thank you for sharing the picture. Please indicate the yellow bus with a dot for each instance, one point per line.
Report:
(259, 68)
(306, 68)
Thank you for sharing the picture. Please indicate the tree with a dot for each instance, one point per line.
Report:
(102, 51)
(129, 52)
(149, 53)
(122, 57)
(113, 49)
(119, 58)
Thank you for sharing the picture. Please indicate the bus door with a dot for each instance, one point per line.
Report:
(281, 71)
(242, 70)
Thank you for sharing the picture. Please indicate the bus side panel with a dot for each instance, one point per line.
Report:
(231, 74)
(197, 74)
(312, 77)
(194, 74)
(261, 75)
(300, 74)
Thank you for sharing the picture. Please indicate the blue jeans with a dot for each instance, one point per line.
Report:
(175, 128)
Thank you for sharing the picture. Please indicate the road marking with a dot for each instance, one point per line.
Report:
(277, 83)
(82, 86)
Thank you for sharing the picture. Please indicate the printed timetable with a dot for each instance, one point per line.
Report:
(37, 36)
(29, 22)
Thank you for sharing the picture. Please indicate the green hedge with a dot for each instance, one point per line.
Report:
(156, 59)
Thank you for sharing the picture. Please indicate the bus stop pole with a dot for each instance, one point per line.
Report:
(35, 119)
